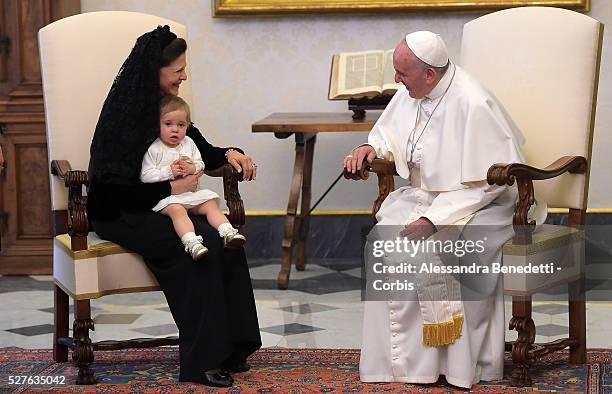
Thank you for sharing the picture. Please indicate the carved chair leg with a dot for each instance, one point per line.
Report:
(83, 351)
(60, 324)
(577, 321)
(521, 322)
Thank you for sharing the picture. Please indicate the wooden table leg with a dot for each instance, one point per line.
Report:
(292, 225)
(304, 217)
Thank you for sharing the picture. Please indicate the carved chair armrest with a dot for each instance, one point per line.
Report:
(385, 169)
(524, 175)
(378, 166)
(501, 174)
(230, 190)
(60, 168)
(76, 218)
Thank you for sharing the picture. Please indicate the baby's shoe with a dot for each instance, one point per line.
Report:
(233, 240)
(196, 249)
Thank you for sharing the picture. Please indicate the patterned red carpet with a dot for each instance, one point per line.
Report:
(276, 370)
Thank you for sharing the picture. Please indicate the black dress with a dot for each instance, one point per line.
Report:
(211, 300)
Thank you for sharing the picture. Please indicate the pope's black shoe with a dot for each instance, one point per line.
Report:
(217, 378)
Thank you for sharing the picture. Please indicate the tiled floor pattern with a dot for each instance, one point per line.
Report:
(321, 309)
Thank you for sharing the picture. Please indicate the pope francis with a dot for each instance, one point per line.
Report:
(443, 130)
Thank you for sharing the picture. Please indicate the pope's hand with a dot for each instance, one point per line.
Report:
(421, 228)
(354, 161)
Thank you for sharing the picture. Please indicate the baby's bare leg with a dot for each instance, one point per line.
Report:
(184, 228)
(231, 238)
(180, 219)
(211, 210)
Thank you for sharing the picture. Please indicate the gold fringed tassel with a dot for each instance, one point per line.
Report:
(458, 320)
(441, 334)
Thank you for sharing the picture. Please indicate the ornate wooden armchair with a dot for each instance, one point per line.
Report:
(543, 64)
(80, 57)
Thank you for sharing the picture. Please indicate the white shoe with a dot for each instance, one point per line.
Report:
(233, 240)
(196, 249)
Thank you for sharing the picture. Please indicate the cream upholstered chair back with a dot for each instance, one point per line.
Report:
(542, 63)
(80, 56)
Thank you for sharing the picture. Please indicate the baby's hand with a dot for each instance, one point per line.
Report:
(188, 167)
(177, 170)
(185, 158)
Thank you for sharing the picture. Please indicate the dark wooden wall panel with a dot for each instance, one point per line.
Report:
(25, 216)
(32, 193)
(31, 19)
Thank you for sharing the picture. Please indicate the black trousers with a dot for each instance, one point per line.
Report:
(211, 300)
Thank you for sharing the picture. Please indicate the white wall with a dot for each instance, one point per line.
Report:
(244, 69)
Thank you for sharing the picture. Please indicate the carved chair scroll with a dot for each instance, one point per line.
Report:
(385, 170)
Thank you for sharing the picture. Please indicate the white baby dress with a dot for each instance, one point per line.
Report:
(156, 168)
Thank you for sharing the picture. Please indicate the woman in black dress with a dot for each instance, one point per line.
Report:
(212, 302)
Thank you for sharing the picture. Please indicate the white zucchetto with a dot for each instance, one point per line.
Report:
(429, 47)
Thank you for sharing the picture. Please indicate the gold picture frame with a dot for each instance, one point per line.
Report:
(242, 8)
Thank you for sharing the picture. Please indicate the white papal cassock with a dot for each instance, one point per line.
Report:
(467, 133)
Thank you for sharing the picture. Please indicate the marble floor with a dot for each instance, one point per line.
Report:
(321, 309)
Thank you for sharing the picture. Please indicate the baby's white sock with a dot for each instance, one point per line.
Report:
(226, 229)
(188, 238)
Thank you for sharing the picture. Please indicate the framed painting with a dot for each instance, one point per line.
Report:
(237, 8)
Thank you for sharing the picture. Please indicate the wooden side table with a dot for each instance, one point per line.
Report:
(305, 127)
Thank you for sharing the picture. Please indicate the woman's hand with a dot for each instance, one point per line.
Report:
(188, 183)
(242, 163)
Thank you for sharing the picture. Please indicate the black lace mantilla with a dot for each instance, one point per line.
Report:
(129, 121)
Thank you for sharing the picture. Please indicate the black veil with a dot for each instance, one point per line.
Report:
(129, 120)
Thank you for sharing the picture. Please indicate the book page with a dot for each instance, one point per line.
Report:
(360, 73)
(389, 85)
(333, 79)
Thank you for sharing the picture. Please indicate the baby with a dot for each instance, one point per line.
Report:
(174, 155)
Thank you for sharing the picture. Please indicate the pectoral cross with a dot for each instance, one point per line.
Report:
(411, 165)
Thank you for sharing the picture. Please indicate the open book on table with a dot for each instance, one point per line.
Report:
(362, 74)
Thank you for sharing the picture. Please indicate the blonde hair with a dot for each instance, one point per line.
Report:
(174, 103)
